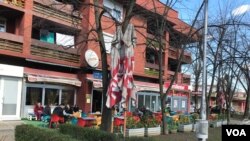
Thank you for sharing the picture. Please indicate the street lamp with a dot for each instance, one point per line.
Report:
(202, 127)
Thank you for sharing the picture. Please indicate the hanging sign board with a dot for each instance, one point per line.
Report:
(91, 58)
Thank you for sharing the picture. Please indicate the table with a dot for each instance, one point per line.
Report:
(89, 120)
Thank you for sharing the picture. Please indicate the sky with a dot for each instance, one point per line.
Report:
(188, 8)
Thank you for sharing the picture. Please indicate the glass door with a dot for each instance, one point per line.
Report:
(10, 94)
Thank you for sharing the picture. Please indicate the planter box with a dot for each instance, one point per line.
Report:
(153, 131)
(224, 122)
(186, 128)
(139, 132)
(215, 124)
(173, 131)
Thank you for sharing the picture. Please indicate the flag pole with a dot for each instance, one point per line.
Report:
(125, 121)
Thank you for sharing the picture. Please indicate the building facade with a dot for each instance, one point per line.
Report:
(43, 57)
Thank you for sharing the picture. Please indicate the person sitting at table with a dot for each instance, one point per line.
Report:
(76, 113)
(67, 112)
(46, 113)
(38, 110)
(59, 111)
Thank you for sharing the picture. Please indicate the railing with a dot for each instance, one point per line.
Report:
(54, 13)
(18, 3)
(172, 52)
(186, 79)
(11, 42)
(151, 41)
(52, 51)
(170, 75)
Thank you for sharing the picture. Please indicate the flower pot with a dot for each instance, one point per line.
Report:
(185, 128)
(215, 124)
(173, 131)
(139, 132)
(153, 131)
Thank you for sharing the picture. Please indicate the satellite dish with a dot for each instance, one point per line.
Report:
(91, 58)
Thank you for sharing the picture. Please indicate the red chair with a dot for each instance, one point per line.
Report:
(81, 122)
(54, 119)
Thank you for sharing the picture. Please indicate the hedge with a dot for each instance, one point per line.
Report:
(90, 134)
(30, 133)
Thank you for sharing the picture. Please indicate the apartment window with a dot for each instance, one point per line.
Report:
(2, 24)
(108, 41)
(114, 8)
(47, 36)
(151, 56)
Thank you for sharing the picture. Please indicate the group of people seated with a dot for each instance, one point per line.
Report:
(65, 112)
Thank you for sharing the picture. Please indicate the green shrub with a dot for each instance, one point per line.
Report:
(31, 133)
(90, 134)
(139, 139)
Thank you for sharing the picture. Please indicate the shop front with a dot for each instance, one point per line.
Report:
(10, 91)
(48, 88)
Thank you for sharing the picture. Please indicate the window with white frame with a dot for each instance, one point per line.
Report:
(2, 24)
(114, 8)
(108, 40)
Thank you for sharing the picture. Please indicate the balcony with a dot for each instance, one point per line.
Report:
(186, 79)
(152, 69)
(18, 3)
(170, 75)
(172, 53)
(152, 42)
(11, 42)
(57, 53)
(56, 14)
(187, 58)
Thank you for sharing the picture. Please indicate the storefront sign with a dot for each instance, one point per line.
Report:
(176, 86)
(91, 58)
(9, 70)
(97, 74)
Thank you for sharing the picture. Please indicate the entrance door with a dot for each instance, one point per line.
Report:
(97, 101)
(10, 94)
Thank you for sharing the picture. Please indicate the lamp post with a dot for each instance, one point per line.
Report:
(202, 129)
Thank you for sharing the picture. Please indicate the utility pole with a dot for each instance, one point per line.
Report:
(202, 129)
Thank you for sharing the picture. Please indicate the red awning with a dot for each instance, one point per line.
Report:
(37, 78)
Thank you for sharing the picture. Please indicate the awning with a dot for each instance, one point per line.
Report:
(140, 86)
(37, 78)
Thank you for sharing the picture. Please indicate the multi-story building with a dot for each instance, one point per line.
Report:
(43, 60)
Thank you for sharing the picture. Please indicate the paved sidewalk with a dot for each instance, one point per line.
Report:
(7, 130)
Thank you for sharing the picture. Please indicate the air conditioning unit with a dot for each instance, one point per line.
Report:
(2, 25)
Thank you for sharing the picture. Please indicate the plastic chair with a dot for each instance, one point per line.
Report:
(81, 122)
(74, 121)
(54, 119)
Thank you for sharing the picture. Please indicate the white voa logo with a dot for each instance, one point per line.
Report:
(236, 132)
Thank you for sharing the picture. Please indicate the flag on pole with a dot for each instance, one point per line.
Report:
(121, 87)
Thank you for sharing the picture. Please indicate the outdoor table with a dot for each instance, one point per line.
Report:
(88, 120)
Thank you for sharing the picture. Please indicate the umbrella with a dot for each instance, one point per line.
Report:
(121, 87)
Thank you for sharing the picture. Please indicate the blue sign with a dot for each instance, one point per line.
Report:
(97, 74)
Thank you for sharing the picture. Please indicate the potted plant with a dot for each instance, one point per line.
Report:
(173, 125)
(152, 127)
(185, 123)
(134, 127)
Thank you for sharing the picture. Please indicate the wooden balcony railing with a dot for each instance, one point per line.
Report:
(52, 51)
(47, 11)
(11, 42)
(18, 3)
